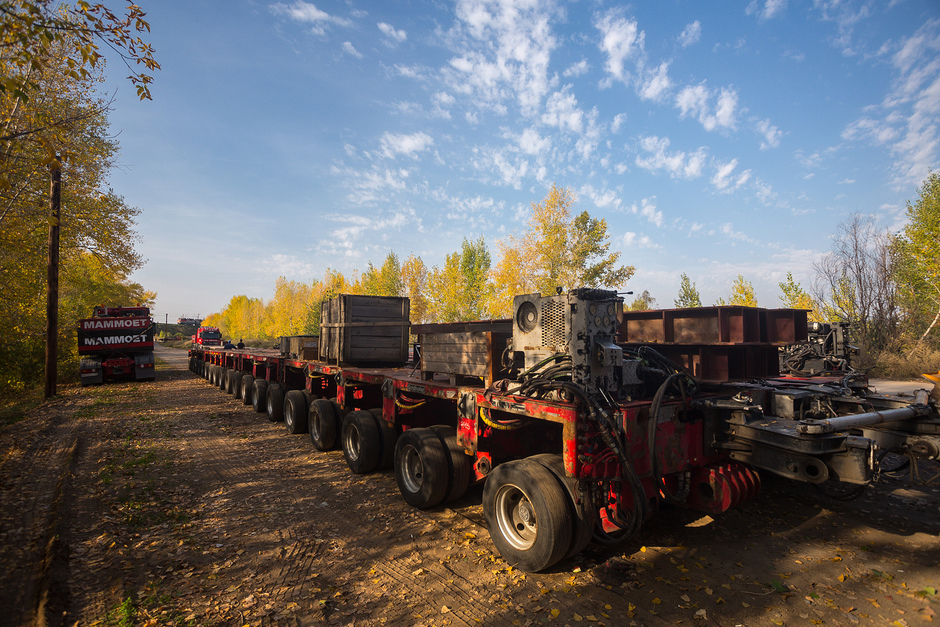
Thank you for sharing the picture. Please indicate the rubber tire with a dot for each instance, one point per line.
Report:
(295, 412)
(522, 490)
(362, 444)
(583, 521)
(247, 385)
(259, 396)
(274, 402)
(230, 379)
(237, 385)
(389, 435)
(213, 369)
(458, 463)
(322, 425)
(421, 468)
(221, 378)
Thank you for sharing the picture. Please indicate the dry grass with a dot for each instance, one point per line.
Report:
(901, 366)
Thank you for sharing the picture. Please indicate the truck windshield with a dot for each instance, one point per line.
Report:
(212, 335)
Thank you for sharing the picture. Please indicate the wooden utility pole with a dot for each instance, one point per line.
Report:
(52, 294)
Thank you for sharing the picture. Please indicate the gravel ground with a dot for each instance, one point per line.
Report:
(171, 503)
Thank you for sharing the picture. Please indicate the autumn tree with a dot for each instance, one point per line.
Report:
(461, 289)
(793, 296)
(383, 281)
(915, 253)
(94, 220)
(854, 282)
(643, 302)
(557, 250)
(742, 294)
(688, 294)
(414, 278)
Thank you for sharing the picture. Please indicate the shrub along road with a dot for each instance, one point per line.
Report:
(172, 503)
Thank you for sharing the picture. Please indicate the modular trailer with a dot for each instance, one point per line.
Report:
(580, 431)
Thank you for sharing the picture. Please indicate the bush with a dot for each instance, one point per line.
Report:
(891, 365)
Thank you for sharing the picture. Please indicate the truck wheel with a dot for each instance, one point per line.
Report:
(230, 380)
(295, 412)
(527, 514)
(421, 469)
(458, 463)
(247, 384)
(222, 378)
(362, 444)
(210, 374)
(389, 436)
(275, 402)
(321, 422)
(582, 520)
(237, 385)
(259, 395)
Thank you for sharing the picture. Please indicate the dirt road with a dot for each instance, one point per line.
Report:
(171, 503)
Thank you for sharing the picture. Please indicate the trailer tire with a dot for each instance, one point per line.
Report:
(231, 382)
(275, 402)
(247, 385)
(259, 395)
(322, 425)
(389, 436)
(458, 463)
(583, 520)
(527, 514)
(421, 469)
(362, 444)
(222, 378)
(210, 374)
(237, 392)
(295, 412)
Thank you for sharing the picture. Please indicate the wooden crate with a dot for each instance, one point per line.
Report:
(358, 330)
(299, 346)
(463, 354)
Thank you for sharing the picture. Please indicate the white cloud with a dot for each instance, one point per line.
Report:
(602, 198)
(308, 13)
(531, 143)
(348, 48)
(617, 122)
(408, 145)
(389, 31)
(771, 134)
(505, 52)
(655, 83)
(907, 121)
(648, 210)
(562, 111)
(690, 34)
(287, 266)
(678, 164)
(767, 10)
(724, 180)
(621, 41)
(576, 69)
(695, 101)
(631, 239)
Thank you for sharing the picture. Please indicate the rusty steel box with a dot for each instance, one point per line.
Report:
(359, 330)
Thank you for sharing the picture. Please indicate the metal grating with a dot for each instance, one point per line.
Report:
(553, 323)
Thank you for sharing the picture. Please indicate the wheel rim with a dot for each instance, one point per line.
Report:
(289, 416)
(515, 517)
(412, 469)
(270, 405)
(314, 426)
(351, 441)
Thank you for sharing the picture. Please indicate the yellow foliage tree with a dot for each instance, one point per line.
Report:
(557, 250)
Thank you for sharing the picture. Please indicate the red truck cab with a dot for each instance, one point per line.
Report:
(208, 336)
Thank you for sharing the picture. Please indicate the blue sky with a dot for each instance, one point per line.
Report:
(716, 138)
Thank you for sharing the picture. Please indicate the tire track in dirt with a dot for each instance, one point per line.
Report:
(30, 507)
